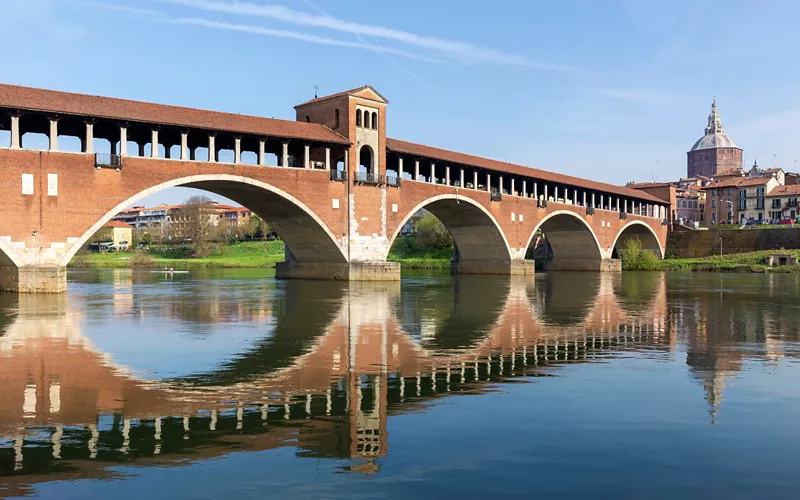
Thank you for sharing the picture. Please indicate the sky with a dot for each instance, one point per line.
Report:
(613, 90)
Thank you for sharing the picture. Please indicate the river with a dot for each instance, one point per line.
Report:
(231, 384)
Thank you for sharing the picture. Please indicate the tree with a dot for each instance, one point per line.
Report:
(257, 227)
(198, 220)
(431, 233)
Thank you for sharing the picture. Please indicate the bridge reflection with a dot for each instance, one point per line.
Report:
(335, 362)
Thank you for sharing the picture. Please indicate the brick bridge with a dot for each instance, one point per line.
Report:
(331, 184)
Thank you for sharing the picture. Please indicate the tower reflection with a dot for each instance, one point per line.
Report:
(331, 364)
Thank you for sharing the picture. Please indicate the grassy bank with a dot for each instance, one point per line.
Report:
(411, 255)
(233, 255)
(752, 262)
(248, 255)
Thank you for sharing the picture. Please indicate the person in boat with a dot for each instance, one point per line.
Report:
(171, 271)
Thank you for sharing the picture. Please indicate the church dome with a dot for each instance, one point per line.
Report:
(715, 134)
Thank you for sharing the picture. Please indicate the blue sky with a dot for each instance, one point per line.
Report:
(608, 90)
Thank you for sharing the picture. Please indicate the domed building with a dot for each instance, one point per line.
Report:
(714, 152)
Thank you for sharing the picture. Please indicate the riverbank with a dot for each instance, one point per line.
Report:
(249, 254)
(751, 262)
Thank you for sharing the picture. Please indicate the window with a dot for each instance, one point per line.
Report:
(374, 120)
(729, 191)
(366, 119)
(336, 118)
(308, 119)
(742, 193)
(713, 203)
(742, 204)
(760, 192)
(760, 215)
(358, 118)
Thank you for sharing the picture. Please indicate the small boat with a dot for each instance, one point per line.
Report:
(170, 272)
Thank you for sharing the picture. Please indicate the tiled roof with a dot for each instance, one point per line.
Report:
(116, 223)
(420, 150)
(790, 190)
(51, 101)
(739, 182)
(339, 94)
(730, 171)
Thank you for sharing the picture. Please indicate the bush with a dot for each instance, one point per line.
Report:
(140, 260)
(636, 259)
(431, 233)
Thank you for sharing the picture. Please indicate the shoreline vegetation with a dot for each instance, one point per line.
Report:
(410, 255)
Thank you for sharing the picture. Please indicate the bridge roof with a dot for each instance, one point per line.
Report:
(57, 102)
(410, 148)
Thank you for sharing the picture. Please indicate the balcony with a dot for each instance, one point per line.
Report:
(106, 160)
(369, 178)
(338, 175)
(393, 181)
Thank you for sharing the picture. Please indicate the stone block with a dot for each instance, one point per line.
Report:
(33, 279)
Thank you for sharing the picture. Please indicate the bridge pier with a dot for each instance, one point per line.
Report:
(516, 267)
(602, 265)
(348, 271)
(33, 279)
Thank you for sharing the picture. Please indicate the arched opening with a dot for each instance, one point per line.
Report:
(374, 121)
(565, 241)
(637, 230)
(307, 237)
(336, 118)
(366, 119)
(365, 159)
(479, 246)
(358, 118)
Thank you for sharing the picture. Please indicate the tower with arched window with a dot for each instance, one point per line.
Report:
(360, 116)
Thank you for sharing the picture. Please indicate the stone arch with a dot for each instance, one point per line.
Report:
(572, 241)
(308, 237)
(641, 230)
(477, 234)
(7, 254)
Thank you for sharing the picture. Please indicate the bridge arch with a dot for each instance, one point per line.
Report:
(646, 235)
(308, 237)
(477, 234)
(7, 255)
(571, 238)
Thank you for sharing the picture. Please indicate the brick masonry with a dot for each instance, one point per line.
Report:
(688, 244)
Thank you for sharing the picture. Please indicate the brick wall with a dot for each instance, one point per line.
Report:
(687, 244)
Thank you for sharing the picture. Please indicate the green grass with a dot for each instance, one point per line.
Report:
(241, 254)
(411, 255)
(743, 262)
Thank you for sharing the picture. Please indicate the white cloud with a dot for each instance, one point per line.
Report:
(304, 37)
(459, 51)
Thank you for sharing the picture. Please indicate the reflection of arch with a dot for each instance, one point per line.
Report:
(308, 237)
(476, 232)
(570, 236)
(645, 233)
(566, 298)
(365, 159)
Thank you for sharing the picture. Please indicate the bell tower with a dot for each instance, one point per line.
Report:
(360, 116)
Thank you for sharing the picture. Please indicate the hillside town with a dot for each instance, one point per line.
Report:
(720, 189)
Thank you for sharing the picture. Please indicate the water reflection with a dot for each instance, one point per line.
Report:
(320, 367)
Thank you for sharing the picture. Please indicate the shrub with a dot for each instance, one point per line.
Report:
(431, 233)
(140, 260)
(636, 259)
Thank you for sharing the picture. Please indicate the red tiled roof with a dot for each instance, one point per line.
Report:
(116, 223)
(51, 101)
(730, 171)
(639, 185)
(420, 150)
(738, 181)
(790, 190)
(339, 94)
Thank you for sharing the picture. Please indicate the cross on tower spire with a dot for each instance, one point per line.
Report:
(316, 89)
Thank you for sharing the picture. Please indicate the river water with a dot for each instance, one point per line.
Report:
(228, 383)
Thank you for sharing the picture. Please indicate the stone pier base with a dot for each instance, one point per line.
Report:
(33, 279)
(603, 266)
(502, 267)
(354, 271)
